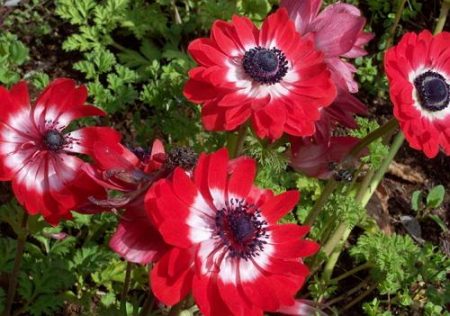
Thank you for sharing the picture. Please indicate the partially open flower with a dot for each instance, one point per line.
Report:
(36, 149)
(131, 172)
(316, 159)
(272, 77)
(225, 243)
(338, 33)
(418, 70)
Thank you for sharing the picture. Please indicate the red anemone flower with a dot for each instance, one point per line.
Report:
(418, 70)
(316, 159)
(35, 149)
(226, 245)
(338, 33)
(272, 76)
(118, 168)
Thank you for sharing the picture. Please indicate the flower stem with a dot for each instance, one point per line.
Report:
(21, 239)
(348, 293)
(398, 16)
(445, 6)
(360, 297)
(331, 185)
(335, 239)
(352, 271)
(335, 243)
(235, 142)
(379, 175)
(374, 135)
(148, 305)
(320, 203)
(126, 286)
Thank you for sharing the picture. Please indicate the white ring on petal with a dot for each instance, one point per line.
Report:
(430, 115)
(252, 89)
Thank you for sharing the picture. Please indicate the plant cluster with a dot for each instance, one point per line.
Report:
(217, 158)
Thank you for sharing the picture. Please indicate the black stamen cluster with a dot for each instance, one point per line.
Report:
(54, 140)
(433, 91)
(266, 66)
(241, 229)
(184, 157)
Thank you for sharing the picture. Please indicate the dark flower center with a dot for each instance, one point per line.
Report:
(142, 154)
(184, 157)
(266, 66)
(242, 229)
(433, 91)
(54, 140)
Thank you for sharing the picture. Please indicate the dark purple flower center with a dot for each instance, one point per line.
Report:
(242, 229)
(433, 91)
(54, 140)
(266, 66)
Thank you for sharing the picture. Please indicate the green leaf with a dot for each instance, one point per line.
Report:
(440, 222)
(436, 196)
(40, 80)
(75, 11)
(12, 214)
(416, 199)
(42, 284)
(7, 254)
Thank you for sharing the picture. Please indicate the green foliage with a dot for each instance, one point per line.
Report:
(403, 269)
(41, 285)
(436, 196)
(377, 150)
(346, 209)
(393, 257)
(255, 9)
(12, 214)
(7, 254)
(310, 190)
(320, 288)
(374, 308)
(30, 20)
(424, 208)
(416, 200)
(132, 56)
(13, 53)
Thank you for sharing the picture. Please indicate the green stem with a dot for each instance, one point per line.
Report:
(336, 242)
(360, 297)
(398, 16)
(379, 175)
(348, 293)
(126, 286)
(374, 135)
(344, 275)
(442, 16)
(118, 46)
(332, 184)
(21, 239)
(364, 185)
(235, 142)
(175, 12)
(335, 239)
(148, 305)
(320, 203)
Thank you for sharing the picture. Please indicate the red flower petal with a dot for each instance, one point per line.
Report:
(279, 205)
(170, 287)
